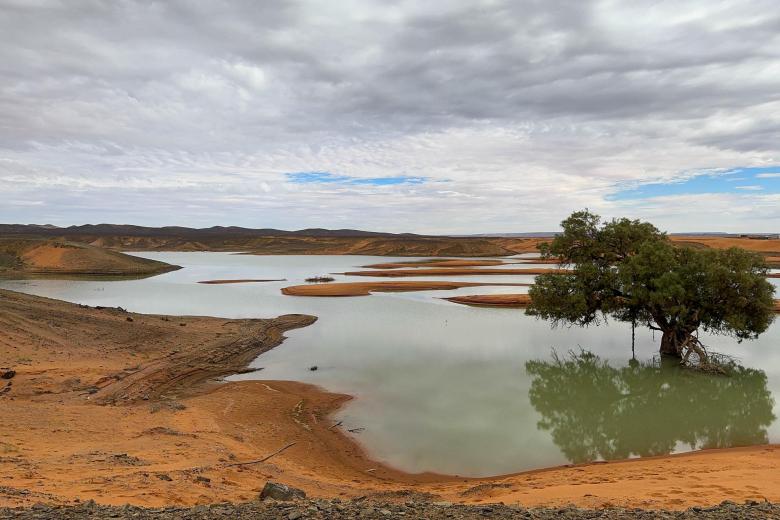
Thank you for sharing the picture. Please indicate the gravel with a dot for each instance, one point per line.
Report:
(363, 509)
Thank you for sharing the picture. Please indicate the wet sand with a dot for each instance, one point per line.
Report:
(398, 273)
(247, 280)
(512, 300)
(126, 408)
(366, 288)
(493, 300)
(432, 262)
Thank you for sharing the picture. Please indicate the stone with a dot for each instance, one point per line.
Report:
(279, 491)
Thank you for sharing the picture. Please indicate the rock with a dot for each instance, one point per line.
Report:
(8, 374)
(280, 492)
(295, 515)
(163, 476)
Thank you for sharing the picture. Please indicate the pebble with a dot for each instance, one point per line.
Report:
(349, 510)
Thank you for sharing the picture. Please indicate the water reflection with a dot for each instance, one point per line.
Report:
(595, 411)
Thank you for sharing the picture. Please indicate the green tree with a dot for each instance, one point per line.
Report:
(628, 270)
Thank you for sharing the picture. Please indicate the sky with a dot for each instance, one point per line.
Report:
(403, 116)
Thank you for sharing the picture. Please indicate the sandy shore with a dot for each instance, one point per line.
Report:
(432, 262)
(124, 408)
(453, 271)
(493, 300)
(366, 288)
(511, 300)
(243, 280)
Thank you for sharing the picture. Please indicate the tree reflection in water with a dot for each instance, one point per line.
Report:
(595, 411)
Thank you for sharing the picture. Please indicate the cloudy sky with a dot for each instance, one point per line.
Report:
(438, 117)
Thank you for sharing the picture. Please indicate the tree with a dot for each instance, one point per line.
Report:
(628, 270)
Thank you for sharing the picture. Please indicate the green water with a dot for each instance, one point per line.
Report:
(461, 390)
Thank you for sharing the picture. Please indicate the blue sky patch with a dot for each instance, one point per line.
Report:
(332, 178)
(737, 181)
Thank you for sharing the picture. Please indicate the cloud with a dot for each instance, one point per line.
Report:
(196, 112)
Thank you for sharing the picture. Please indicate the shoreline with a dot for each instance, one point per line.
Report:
(347, 289)
(176, 433)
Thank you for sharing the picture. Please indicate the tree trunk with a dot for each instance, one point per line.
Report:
(670, 342)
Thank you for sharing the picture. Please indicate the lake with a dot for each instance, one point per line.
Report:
(460, 390)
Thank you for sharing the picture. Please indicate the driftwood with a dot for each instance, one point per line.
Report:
(694, 355)
(277, 452)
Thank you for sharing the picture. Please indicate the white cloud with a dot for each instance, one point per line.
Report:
(516, 112)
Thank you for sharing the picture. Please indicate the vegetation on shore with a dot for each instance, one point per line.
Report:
(629, 271)
(320, 279)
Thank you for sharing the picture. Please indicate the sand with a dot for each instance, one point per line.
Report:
(432, 262)
(717, 242)
(173, 436)
(398, 273)
(493, 300)
(247, 280)
(512, 300)
(31, 257)
(366, 288)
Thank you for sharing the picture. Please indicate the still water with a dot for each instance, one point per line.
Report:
(461, 390)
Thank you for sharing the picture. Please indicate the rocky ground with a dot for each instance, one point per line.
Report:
(360, 509)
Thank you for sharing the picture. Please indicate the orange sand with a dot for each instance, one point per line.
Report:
(493, 300)
(432, 262)
(193, 443)
(366, 288)
(511, 300)
(452, 272)
(248, 280)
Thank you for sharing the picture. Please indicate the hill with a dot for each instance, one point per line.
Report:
(273, 241)
(22, 257)
(318, 241)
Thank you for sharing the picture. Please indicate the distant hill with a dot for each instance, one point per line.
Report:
(317, 241)
(533, 234)
(265, 241)
(178, 231)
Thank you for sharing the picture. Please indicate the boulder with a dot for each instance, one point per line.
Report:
(280, 492)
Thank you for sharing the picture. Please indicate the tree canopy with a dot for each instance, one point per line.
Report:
(630, 271)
